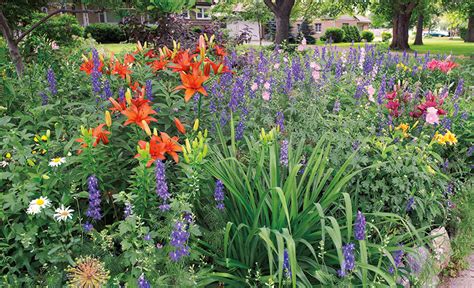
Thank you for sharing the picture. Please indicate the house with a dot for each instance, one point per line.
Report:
(322, 24)
(199, 15)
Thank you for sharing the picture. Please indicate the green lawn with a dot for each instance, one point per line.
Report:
(445, 45)
(118, 48)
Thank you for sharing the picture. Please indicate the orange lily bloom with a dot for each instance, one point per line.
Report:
(182, 61)
(158, 65)
(100, 134)
(137, 114)
(179, 126)
(220, 51)
(135, 86)
(219, 68)
(88, 65)
(171, 145)
(121, 70)
(157, 149)
(193, 84)
(117, 106)
(128, 58)
(150, 54)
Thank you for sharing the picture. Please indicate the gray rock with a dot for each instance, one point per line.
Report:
(441, 248)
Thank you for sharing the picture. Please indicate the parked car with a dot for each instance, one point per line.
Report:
(437, 34)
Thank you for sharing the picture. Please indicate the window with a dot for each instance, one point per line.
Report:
(103, 17)
(186, 15)
(44, 10)
(203, 13)
(345, 24)
(298, 27)
(318, 27)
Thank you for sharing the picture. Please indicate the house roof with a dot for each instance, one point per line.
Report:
(362, 19)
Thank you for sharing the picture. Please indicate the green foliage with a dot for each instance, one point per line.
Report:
(60, 28)
(351, 34)
(105, 32)
(386, 36)
(335, 35)
(367, 35)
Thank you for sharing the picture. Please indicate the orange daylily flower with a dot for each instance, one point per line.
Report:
(171, 145)
(135, 86)
(158, 65)
(150, 54)
(182, 61)
(117, 106)
(128, 58)
(219, 68)
(121, 70)
(88, 65)
(193, 84)
(157, 149)
(220, 51)
(179, 126)
(137, 114)
(100, 134)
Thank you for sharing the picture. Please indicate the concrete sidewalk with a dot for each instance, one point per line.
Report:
(464, 280)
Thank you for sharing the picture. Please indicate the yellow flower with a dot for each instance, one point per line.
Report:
(404, 127)
(44, 138)
(450, 138)
(431, 170)
(108, 119)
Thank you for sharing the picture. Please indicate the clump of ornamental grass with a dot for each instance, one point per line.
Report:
(87, 272)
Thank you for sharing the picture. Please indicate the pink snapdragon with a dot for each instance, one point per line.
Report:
(432, 116)
(371, 92)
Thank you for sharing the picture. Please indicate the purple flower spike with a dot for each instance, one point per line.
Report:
(94, 210)
(161, 185)
(219, 194)
(359, 229)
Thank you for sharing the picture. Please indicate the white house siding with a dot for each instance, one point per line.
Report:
(236, 27)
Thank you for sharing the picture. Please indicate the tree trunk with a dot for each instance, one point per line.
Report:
(400, 32)
(282, 10)
(12, 46)
(419, 30)
(470, 29)
(282, 28)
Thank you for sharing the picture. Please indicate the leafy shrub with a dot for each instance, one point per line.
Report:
(335, 35)
(386, 36)
(351, 34)
(367, 35)
(105, 32)
(60, 28)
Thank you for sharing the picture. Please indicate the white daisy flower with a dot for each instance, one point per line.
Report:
(41, 202)
(33, 209)
(63, 213)
(55, 162)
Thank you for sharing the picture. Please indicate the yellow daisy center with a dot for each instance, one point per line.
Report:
(56, 160)
(64, 213)
(39, 202)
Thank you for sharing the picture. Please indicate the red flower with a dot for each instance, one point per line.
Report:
(192, 83)
(393, 106)
(220, 51)
(100, 134)
(128, 58)
(150, 54)
(219, 68)
(391, 95)
(117, 106)
(171, 145)
(431, 101)
(137, 114)
(121, 70)
(88, 65)
(157, 149)
(158, 65)
(182, 61)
